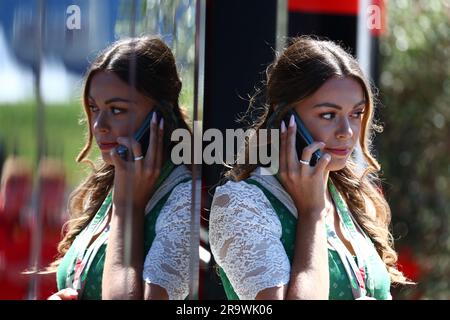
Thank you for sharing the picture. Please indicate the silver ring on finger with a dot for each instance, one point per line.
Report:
(306, 163)
(138, 158)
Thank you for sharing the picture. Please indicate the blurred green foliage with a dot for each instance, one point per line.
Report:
(65, 136)
(65, 132)
(415, 146)
(174, 22)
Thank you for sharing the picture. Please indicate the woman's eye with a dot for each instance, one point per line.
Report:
(358, 114)
(115, 110)
(93, 108)
(327, 116)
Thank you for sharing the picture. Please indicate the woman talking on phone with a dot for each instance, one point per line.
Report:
(318, 229)
(128, 237)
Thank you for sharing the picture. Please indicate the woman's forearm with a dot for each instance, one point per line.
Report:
(122, 279)
(310, 271)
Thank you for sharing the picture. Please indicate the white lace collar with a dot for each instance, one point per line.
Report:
(272, 184)
(177, 175)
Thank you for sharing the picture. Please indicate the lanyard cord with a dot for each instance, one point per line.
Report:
(356, 271)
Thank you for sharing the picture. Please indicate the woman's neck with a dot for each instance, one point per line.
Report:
(328, 197)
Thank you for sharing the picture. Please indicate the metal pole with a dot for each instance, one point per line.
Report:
(363, 43)
(130, 184)
(282, 24)
(36, 226)
(199, 67)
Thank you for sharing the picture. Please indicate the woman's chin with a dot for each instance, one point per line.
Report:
(107, 158)
(336, 164)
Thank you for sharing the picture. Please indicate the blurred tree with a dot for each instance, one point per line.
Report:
(174, 22)
(414, 148)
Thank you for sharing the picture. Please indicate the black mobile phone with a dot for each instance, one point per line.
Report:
(303, 137)
(142, 136)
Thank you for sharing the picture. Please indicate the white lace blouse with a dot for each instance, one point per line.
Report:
(245, 238)
(167, 261)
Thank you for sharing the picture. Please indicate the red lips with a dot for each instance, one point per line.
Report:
(104, 146)
(338, 151)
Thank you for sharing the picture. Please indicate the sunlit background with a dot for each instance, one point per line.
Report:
(412, 71)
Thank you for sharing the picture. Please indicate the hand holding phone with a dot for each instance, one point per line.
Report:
(305, 182)
(139, 176)
(142, 136)
(303, 137)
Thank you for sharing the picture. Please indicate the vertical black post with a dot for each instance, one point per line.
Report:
(335, 20)
(199, 76)
(240, 43)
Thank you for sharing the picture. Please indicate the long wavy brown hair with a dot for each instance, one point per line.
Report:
(299, 71)
(148, 64)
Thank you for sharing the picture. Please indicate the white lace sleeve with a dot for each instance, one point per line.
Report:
(167, 262)
(245, 233)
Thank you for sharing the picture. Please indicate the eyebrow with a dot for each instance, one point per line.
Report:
(332, 105)
(115, 99)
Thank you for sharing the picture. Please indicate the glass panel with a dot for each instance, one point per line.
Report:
(45, 49)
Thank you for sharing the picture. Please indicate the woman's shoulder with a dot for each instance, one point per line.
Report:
(184, 188)
(180, 193)
(242, 202)
(178, 205)
(238, 189)
(241, 213)
(240, 194)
